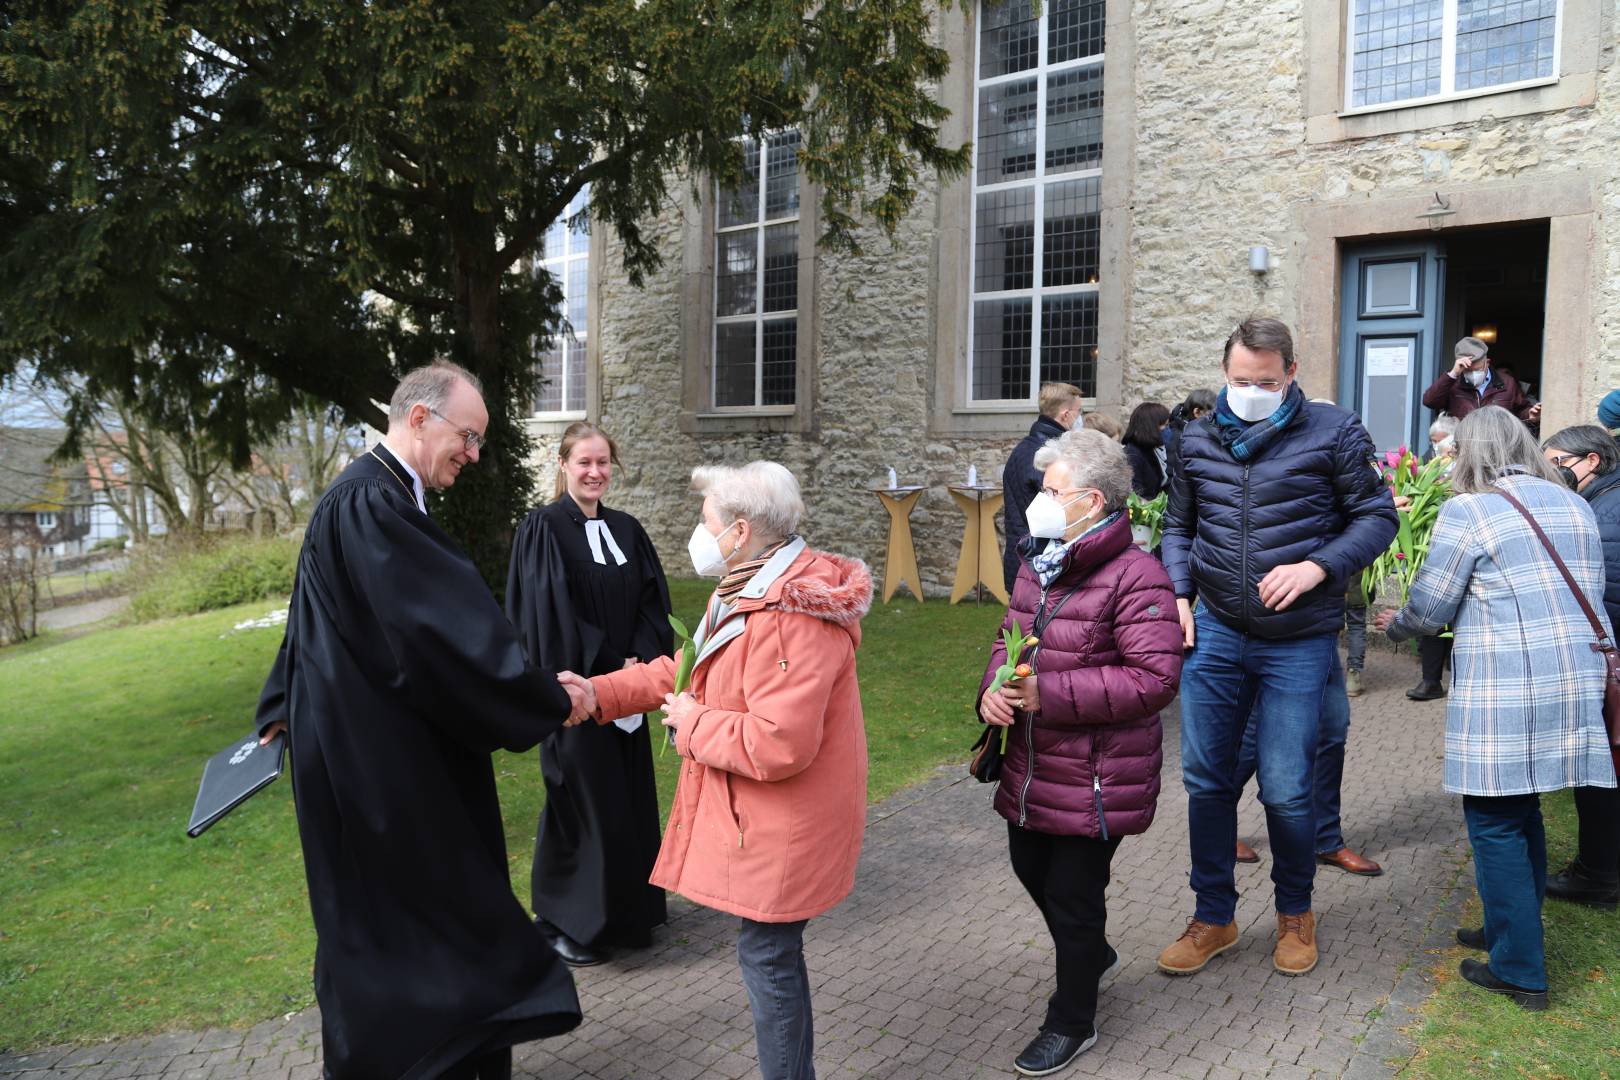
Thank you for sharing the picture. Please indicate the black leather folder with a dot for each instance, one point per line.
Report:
(232, 776)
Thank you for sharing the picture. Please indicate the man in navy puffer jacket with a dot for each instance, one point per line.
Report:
(1274, 508)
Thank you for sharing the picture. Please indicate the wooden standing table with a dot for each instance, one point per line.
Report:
(900, 568)
(980, 562)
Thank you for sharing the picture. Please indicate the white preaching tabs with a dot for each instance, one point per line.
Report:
(597, 534)
(416, 483)
(630, 724)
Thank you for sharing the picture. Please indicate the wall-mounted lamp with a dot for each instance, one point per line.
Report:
(1259, 259)
(1437, 212)
(1486, 332)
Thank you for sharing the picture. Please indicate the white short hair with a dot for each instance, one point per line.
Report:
(763, 493)
(1094, 460)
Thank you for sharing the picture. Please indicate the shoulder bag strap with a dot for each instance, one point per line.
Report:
(1569, 579)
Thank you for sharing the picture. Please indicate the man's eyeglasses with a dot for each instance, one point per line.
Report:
(1054, 493)
(475, 441)
(1270, 386)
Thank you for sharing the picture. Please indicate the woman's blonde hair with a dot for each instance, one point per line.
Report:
(575, 434)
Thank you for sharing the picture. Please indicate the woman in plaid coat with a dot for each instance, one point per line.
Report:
(1526, 708)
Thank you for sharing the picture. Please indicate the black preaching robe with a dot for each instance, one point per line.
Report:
(398, 677)
(598, 835)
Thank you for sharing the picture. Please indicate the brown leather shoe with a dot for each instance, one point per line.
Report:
(1196, 946)
(1296, 943)
(1350, 863)
(1247, 854)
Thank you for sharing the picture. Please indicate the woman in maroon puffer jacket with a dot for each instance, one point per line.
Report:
(1083, 755)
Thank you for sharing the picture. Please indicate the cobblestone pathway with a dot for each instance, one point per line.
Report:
(939, 966)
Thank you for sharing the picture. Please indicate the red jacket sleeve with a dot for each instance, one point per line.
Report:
(1438, 395)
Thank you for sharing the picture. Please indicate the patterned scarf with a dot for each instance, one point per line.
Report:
(1048, 564)
(1246, 440)
(737, 578)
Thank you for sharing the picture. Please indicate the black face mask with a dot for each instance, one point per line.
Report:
(1567, 474)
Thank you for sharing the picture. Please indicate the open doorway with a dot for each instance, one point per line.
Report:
(1406, 300)
(1496, 290)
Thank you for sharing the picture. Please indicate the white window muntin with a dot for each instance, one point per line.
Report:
(565, 255)
(1448, 91)
(761, 226)
(1040, 180)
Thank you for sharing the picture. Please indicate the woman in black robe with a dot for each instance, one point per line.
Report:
(587, 594)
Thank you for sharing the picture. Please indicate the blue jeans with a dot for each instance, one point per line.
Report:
(772, 959)
(1329, 760)
(1228, 676)
(1510, 871)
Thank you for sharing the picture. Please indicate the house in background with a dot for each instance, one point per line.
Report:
(44, 504)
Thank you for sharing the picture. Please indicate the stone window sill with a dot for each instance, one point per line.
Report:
(552, 423)
(1570, 91)
(785, 419)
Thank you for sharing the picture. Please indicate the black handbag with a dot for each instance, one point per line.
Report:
(985, 764)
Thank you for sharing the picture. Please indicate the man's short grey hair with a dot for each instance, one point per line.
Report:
(1094, 461)
(1471, 347)
(429, 385)
(1584, 439)
(762, 492)
(1491, 443)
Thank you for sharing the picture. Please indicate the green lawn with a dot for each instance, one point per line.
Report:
(1467, 1034)
(113, 923)
(67, 586)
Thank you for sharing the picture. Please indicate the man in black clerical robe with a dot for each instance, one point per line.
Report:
(398, 677)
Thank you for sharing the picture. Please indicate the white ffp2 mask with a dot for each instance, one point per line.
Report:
(704, 549)
(1048, 518)
(1250, 403)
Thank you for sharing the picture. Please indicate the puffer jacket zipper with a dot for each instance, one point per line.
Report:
(1243, 514)
(1096, 788)
(1029, 725)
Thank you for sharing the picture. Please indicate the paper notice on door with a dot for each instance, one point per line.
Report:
(1388, 360)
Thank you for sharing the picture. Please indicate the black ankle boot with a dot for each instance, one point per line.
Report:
(1574, 884)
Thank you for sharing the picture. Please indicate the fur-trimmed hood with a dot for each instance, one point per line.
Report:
(833, 588)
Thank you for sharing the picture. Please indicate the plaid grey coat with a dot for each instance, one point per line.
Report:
(1526, 707)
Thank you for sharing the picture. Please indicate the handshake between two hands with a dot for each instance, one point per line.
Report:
(582, 696)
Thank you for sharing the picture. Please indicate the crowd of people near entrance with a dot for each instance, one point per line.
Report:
(399, 675)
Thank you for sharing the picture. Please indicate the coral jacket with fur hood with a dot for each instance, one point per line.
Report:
(771, 801)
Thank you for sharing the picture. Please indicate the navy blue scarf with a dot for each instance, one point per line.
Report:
(1246, 440)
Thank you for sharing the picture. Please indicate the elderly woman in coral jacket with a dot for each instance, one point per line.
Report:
(771, 800)
(1083, 753)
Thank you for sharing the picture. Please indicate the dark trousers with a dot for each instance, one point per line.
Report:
(772, 959)
(494, 1065)
(1433, 652)
(1598, 810)
(1510, 871)
(1067, 877)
